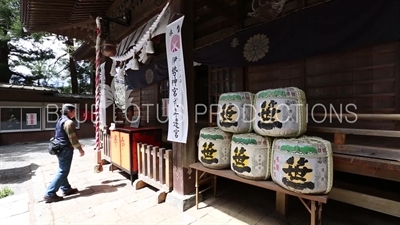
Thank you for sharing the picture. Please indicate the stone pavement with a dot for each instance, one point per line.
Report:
(109, 198)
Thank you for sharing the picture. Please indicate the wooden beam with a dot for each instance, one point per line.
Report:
(209, 23)
(359, 116)
(378, 168)
(364, 132)
(368, 189)
(115, 5)
(59, 27)
(91, 22)
(214, 37)
(340, 139)
(265, 184)
(397, 82)
(391, 154)
(223, 8)
(185, 154)
(281, 203)
(374, 203)
(143, 13)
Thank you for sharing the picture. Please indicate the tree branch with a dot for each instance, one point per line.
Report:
(58, 60)
(65, 67)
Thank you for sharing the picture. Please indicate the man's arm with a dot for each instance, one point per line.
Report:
(69, 128)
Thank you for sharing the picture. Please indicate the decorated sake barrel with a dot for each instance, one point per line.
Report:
(214, 148)
(235, 112)
(280, 112)
(303, 165)
(250, 156)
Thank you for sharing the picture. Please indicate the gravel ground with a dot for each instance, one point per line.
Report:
(19, 162)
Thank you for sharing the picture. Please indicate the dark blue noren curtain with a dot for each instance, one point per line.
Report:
(330, 27)
(147, 75)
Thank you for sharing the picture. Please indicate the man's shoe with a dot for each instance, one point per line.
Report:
(50, 199)
(71, 191)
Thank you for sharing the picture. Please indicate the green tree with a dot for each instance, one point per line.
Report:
(19, 49)
(12, 54)
(84, 71)
(36, 60)
(76, 73)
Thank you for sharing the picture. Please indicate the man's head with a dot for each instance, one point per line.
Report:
(68, 110)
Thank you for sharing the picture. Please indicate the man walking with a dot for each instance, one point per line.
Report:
(64, 133)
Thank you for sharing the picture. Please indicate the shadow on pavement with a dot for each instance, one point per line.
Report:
(95, 189)
(12, 152)
(111, 181)
(17, 174)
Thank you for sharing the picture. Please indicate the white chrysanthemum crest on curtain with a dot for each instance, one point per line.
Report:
(256, 47)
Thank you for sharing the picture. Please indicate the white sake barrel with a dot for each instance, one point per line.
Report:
(250, 156)
(280, 112)
(235, 112)
(303, 165)
(214, 148)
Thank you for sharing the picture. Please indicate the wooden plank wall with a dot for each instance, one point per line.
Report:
(276, 75)
(149, 95)
(364, 77)
(141, 97)
(135, 95)
(397, 85)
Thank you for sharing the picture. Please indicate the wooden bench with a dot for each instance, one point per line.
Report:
(371, 159)
(315, 201)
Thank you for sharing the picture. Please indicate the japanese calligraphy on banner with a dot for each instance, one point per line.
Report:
(177, 106)
(31, 119)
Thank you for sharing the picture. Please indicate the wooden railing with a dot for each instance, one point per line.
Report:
(367, 160)
(155, 169)
(340, 146)
(365, 116)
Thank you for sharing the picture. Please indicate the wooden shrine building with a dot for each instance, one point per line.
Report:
(344, 54)
(29, 113)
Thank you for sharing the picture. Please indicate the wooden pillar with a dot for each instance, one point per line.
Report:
(109, 110)
(185, 154)
(397, 82)
(282, 203)
(110, 114)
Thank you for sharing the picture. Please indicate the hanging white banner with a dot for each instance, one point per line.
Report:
(177, 107)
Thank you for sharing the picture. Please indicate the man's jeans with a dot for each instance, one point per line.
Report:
(61, 179)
